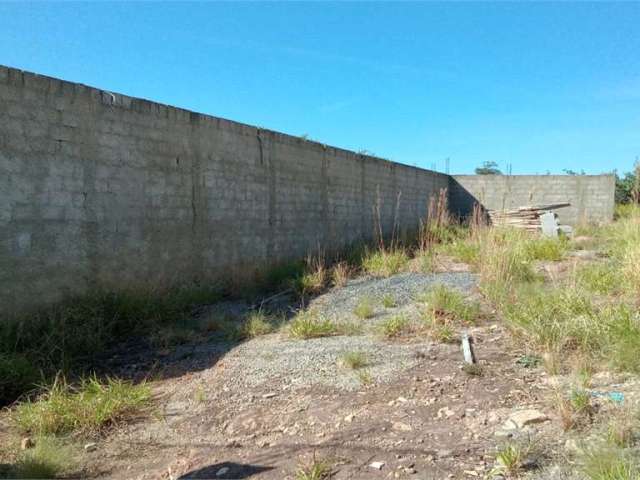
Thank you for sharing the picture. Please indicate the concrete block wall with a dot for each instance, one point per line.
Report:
(101, 189)
(591, 196)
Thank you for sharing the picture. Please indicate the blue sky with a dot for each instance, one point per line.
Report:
(538, 86)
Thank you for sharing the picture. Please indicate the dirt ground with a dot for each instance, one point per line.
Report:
(265, 407)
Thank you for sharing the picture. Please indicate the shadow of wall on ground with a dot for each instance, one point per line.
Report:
(229, 470)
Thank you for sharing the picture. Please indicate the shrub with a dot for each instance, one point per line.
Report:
(87, 408)
(308, 324)
(384, 263)
(626, 210)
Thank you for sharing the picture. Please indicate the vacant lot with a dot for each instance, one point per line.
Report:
(355, 371)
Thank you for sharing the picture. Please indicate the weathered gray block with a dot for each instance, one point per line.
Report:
(99, 189)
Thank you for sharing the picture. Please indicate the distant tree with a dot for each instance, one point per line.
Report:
(488, 168)
(573, 172)
(364, 151)
(628, 186)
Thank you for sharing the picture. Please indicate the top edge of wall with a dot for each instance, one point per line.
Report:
(47, 84)
(559, 175)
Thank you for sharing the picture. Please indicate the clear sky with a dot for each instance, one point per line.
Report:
(543, 87)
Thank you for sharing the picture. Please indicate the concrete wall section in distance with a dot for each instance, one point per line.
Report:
(591, 196)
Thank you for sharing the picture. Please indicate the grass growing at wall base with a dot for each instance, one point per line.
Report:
(70, 334)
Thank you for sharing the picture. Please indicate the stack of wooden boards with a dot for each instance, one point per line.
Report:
(528, 217)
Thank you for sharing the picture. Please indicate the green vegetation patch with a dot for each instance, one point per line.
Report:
(394, 326)
(384, 263)
(309, 324)
(48, 458)
(443, 301)
(364, 308)
(87, 408)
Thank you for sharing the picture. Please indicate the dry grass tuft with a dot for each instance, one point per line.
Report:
(340, 274)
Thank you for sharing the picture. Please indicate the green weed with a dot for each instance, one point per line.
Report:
(623, 429)
(465, 251)
(384, 263)
(308, 324)
(443, 301)
(509, 460)
(394, 326)
(49, 458)
(546, 248)
(364, 376)
(257, 323)
(364, 309)
(355, 360)
(580, 401)
(316, 470)
(389, 301)
(17, 376)
(600, 278)
(87, 408)
(74, 331)
(609, 463)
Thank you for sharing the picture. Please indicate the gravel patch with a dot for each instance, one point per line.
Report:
(404, 287)
(279, 362)
(282, 363)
